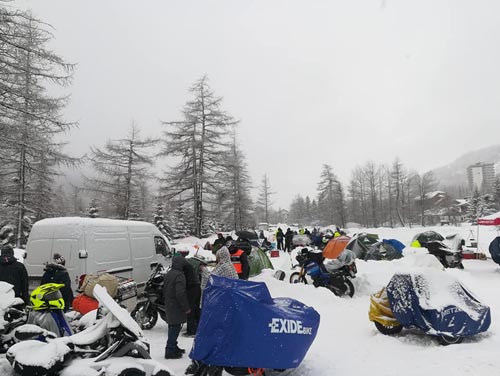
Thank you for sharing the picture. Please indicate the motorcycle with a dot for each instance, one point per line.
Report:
(13, 314)
(278, 336)
(114, 334)
(446, 256)
(335, 275)
(151, 301)
(438, 305)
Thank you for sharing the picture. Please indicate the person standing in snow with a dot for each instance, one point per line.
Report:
(239, 259)
(14, 272)
(56, 272)
(218, 243)
(176, 305)
(288, 240)
(224, 267)
(279, 238)
(191, 269)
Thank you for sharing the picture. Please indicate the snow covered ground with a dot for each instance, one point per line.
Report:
(349, 344)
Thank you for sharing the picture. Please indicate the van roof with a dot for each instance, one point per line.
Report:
(85, 221)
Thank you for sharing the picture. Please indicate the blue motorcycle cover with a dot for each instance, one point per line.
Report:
(437, 304)
(242, 326)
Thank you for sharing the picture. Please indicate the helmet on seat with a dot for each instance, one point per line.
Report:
(47, 296)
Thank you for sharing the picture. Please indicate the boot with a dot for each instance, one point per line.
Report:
(172, 354)
(192, 368)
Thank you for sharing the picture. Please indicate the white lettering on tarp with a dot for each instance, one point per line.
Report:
(288, 327)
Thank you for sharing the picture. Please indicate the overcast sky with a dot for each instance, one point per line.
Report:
(313, 81)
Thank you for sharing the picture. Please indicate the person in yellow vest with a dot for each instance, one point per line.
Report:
(239, 259)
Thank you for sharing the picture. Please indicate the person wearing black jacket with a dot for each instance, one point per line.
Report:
(218, 243)
(176, 305)
(14, 272)
(191, 269)
(279, 238)
(56, 272)
(240, 261)
(288, 240)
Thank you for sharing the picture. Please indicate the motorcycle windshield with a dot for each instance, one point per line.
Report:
(121, 314)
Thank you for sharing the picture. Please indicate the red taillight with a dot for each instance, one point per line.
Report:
(80, 280)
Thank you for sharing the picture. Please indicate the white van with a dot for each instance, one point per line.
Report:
(128, 249)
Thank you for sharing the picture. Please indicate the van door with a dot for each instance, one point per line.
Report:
(69, 249)
(143, 253)
(108, 249)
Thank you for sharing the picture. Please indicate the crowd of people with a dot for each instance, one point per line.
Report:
(14, 272)
(317, 238)
(185, 282)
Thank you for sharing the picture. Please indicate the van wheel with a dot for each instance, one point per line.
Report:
(145, 316)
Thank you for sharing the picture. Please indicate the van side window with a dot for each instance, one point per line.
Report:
(161, 246)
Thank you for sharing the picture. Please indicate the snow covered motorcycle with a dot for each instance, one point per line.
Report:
(448, 257)
(277, 338)
(437, 304)
(335, 275)
(13, 314)
(113, 335)
(151, 302)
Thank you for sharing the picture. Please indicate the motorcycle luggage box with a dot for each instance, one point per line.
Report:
(313, 269)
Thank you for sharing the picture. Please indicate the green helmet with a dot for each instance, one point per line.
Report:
(47, 296)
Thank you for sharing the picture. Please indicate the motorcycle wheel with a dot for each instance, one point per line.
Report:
(206, 370)
(388, 330)
(447, 340)
(132, 372)
(145, 318)
(297, 278)
(349, 288)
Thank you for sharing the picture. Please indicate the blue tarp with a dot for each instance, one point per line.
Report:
(411, 297)
(242, 326)
(397, 245)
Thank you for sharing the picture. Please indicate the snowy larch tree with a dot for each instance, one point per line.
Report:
(331, 199)
(237, 183)
(264, 201)
(199, 143)
(122, 168)
(30, 119)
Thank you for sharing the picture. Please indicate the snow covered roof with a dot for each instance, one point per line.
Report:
(85, 221)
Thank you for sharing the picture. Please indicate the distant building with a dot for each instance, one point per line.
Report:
(481, 176)
(441, 208)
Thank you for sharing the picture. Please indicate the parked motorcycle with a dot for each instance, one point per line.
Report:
(12, 315)
(151, 302)
(436, 304)
(335, 275)
(277, 338)
(114, 334)
(448, 257)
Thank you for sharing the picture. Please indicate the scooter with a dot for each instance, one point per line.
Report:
(335, 276)
(439, 306)
(114, 334)
(151, 301)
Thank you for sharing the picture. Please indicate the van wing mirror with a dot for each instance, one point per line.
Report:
(83, 254)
